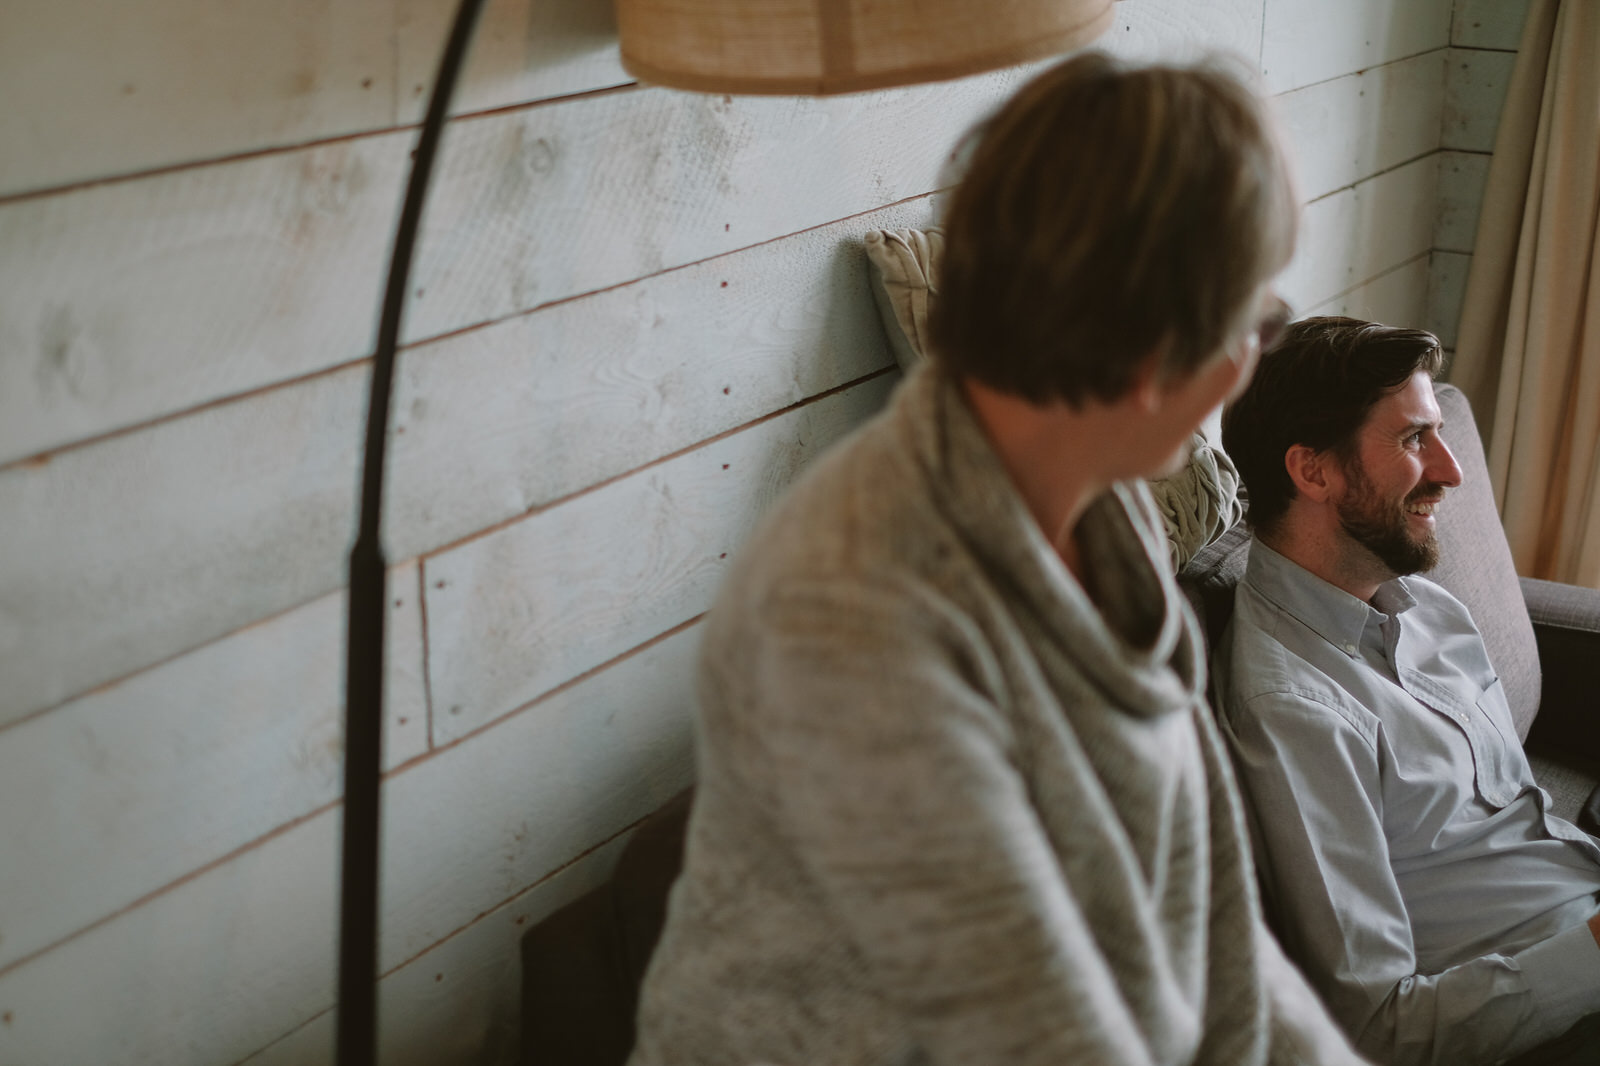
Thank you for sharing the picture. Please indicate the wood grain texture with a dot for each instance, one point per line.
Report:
(1348, 129)
(1398, 297)
(519, 611)
(95, 90)
(121, 303)
(458, 1001)
(546, 203)
(1463, 176)
(134, 301)
(473, 825)
(1356, 234)
(235, 958)
(124, 553)
(1475, 87)
(495, 422)
(1180, 31)
(1307, 41)
(124, 791)
(522, 50)
(1447, 292)
(147, 544)
(207, 973)
(1488, 24)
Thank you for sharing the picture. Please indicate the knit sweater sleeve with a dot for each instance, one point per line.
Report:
(892, 775)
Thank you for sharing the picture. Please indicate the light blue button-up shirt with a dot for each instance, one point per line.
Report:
(1408, 858)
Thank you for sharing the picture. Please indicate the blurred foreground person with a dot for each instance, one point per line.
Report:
(960, 798)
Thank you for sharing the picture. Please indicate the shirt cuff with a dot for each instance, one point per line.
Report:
(1563, 975)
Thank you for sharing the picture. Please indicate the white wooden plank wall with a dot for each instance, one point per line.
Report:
(250, 725)
(1309, 41)
(635, 315)
(1484, 35)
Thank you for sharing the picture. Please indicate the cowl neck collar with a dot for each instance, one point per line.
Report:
(1135, 639)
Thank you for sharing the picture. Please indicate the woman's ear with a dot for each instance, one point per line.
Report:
(1149, 386)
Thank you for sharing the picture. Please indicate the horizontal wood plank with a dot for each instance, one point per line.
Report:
(124, 791)
(1356, 234)
(95, 90)
(232, 960)
(1182, 31)
(1488, 24)
(475, 824)
(522, 50)
(1348, 129)
(541, 204)
(495, 422)
(515, 613)
(1398, 297)
(1447, 293)
(1307, 41)
(458, 1002)
(1463, 176)
(121, 303)
(207, 973)
(123, 554)
(1475, 87)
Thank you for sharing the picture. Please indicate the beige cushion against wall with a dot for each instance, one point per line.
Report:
(903, 262)
(1198, 503)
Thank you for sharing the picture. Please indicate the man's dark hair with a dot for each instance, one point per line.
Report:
(1107, 213)
(1315, 386)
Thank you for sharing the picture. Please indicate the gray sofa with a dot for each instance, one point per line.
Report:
(582, 965)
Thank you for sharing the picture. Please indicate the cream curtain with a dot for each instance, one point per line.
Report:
(1528, 351)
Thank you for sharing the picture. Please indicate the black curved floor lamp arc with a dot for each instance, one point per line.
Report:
(357, 1013)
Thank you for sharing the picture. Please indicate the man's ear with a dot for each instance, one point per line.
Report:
(1315, 474)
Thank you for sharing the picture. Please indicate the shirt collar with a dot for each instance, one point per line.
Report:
(1330, 611)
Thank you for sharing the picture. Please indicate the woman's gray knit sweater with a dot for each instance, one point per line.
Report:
(953, 810)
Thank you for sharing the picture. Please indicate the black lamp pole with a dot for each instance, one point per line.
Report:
(363, 771)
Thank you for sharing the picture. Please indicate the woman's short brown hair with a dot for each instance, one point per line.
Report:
(1108, 212)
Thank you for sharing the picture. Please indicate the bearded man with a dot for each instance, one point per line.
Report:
(1406, 855)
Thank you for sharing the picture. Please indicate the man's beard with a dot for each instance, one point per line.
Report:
(1381, 526)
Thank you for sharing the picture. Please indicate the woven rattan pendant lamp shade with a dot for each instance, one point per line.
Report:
(813, 47)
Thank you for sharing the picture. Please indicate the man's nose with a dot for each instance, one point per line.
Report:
(1442, 466)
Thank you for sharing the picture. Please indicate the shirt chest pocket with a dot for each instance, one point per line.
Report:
(1500, 770)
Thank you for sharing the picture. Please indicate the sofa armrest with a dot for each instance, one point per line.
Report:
(1566, 626)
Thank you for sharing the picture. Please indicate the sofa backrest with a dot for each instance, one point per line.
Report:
(1475, 566)
(582, 966)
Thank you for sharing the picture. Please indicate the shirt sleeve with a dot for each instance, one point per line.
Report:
(1312, 780)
